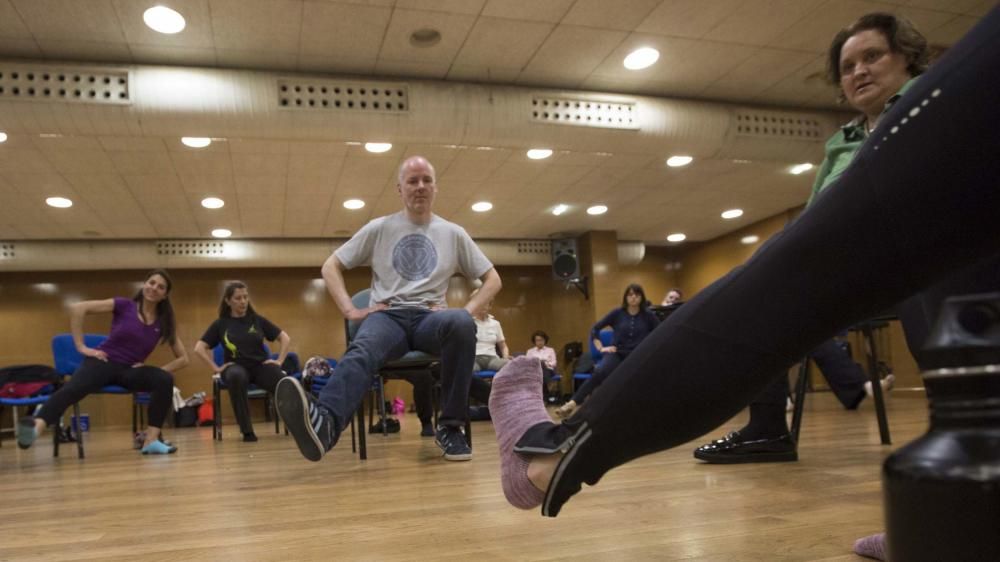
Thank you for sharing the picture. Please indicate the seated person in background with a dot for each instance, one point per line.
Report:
(673, 296)
(631, 324)
(489, 340)
(242, 332)
(138, 325)
(541, 351)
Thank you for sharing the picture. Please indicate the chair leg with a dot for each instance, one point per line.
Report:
(800, 398)
(883, 422)
(362, 440)
(272, 407)
(79, 431)
(135, 416)
(381, 407)
(354, 446)
(216, 410)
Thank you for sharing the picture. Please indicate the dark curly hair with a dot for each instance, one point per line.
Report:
(542, 334)
(899, 32)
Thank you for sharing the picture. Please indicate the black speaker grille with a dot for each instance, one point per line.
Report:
(564, 266)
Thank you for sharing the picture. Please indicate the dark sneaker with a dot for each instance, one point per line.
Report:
(452, 442)
(308, 422)
(26, 432)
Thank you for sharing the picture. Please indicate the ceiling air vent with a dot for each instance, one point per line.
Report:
(777, 124)
(343, 95)
(6, 250)
(190, 248)
(63, 84)
(534, 247)
(584, 112)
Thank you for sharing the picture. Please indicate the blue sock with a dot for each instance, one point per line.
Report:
(158, 448)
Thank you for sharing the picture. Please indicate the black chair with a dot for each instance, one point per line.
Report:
(874, 375)
(218, 385)
(412, 362)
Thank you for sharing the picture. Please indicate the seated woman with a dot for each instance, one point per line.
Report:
(489, 340)
(631, 324)
(541, 351)
(242, 332)
(137, 326)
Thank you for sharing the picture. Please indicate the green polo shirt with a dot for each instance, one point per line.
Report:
(842, 147)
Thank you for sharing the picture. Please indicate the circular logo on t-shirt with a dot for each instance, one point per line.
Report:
(414, 257)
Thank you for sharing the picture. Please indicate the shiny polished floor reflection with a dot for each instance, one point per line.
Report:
(262, 501)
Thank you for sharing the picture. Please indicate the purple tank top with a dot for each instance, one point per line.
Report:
(130, 341)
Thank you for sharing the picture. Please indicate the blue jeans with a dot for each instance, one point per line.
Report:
(388, 335)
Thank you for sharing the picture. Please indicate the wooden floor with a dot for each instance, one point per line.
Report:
(262, 501)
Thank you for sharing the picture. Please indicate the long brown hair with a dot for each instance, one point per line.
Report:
(164, 310)
(225, 311)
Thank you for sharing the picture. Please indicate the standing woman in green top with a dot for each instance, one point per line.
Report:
(242, 332)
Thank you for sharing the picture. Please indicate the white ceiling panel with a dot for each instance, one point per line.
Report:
(759, 22)
(83, 20)
(343, 32)
(528, 10)
(496, 43)
(454, 28)
(14, 47)
(249, 25)
(197, 24)
(625, 16)
(687, 18)
(571, 53)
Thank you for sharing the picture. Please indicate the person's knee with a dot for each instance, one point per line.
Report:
(161, 380)
(235, 375)
(459, 326)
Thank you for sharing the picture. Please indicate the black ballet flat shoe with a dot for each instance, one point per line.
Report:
(733, 449)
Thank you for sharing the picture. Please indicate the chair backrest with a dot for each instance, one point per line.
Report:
(361, 299)
(64, 354)
(607, 338)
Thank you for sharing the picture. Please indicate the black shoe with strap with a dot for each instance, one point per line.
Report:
(735, 449)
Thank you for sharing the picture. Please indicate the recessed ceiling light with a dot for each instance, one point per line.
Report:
(378, 147)
(751, 239)
(163, 19)
(597, 210)
(800, 168)
(212, 203)
(196, 142)
(539, 153)
(560, 209)
(3, 136)
(482, 206)
(643, 57)
(354, 204)
(676, 237)
(222, 233)
(732, 213)
(678, 161)
(59, 202)
(425, 38)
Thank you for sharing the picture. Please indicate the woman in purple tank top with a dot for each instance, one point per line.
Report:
(139, 324)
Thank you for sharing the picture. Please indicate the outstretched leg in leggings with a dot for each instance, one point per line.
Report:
(920, 201)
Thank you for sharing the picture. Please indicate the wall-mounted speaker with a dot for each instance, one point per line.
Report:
(565, 260)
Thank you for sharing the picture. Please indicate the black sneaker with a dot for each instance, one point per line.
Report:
(308, 422)
(426, 429)
(452, 442)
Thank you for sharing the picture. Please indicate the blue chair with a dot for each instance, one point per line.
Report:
(607, 338)
(67, 360)
(218, 385)
(42, 396)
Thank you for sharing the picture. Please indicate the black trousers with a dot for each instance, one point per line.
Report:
(238, 379)
(920, 201)
(94, 374)
(846, 379)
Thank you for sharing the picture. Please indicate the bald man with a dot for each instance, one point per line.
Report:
(413, 254)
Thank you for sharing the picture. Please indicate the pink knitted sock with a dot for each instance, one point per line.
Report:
(872, 546)
(516, 405)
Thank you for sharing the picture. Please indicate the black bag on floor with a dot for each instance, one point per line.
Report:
(186, 417)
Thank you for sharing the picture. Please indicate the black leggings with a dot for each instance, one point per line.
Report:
(94, 374)
(920, 201)
(239, 378)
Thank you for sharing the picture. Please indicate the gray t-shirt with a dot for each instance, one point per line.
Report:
(411, 263)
